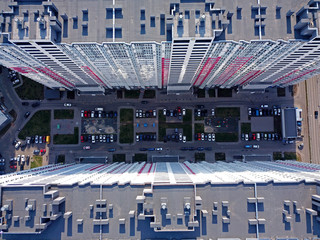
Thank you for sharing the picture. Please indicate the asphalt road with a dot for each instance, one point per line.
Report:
(110, 102)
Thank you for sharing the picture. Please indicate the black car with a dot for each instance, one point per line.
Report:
(27, 114)
(25, 103)
(144, 102)
(143, 149)
(32, 140)
(36, 104)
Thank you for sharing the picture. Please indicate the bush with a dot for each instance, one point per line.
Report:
(126, 125)
(198, 128)
(132, 94)
(199, 157)
(140, 157)
(61, 159)
(226, 137)
(277, 156)
(149, 94)
(212, 92)
(119, 158)
(224, 112)
(36, 162)
(245, 127)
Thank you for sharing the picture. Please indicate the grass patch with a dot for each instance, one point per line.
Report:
(227, 112)
(67, 138)
(199, 157)
(226, 137)
(201, 93)
(140, 157)
(70, 94)
(39, 124)
(126, 125)
(64, 114)
(277, 156)
(118, 157)
(61, 159)
(36, 162)
(132, 94)
(188, 117)
(196, 118)
(281, 92)
(149, 94)
(220, 156)
(212, 92)
(163, 125)
(224, 92)
(245, 127)
(290, 156)
(119, 94)
(30, 90)
(198, 128)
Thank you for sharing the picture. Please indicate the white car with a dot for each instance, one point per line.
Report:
(23, 159)
(137, 113)
(184, 112)
(17, 145)
(202, 136)
(213, 137)
(92, 114)
(255, 146)
(158, 149)
(247, 137)
(67, 104)
(249, 111)
(209, 137)
(82, 113)
(93, 139)
(154, 113)
(137, 138)
(258, 136)
(18, 158)
(180, 136)
(86, 147)
(264, 106)
(164, 112)
(111, 138)
(199, 112)
(212, 111)
(184, 139)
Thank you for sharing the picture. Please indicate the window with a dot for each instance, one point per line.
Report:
(118, 32)
(109, 32)
(118, 13)
(85, 15)
(84, 30)
(109, 13)
(75, 23)
(142, 14)
(152, 22)
(142, 29)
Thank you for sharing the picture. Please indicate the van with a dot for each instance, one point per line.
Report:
(48, 139)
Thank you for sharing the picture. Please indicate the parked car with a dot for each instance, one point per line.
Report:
(17, 145)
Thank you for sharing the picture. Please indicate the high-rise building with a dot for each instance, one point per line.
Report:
(239, 200)
(96, 45)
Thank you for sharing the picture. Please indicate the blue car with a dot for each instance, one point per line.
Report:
(248, 146)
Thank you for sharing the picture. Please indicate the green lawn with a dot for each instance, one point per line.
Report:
(39, 124)
(220, 156)
(226, 137)
(67, 138)
(227, 112)
(201, 93)
(30, 90)
(36, 161)
(188, 117)
(61, 159)
(290, 156)
(277, 155)
(149, 94)
(132, 94)
(64, 114)
(224, 92)
(245, 127)
(163, 125)
(198, 128)
(118, 157)
(212, 92)
(126, 125)
(140, 157)
(199, 157)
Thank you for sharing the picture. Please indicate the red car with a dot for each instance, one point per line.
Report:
(253, 136)
(179, 109)
(42, 151)
(199, 136)
(44, 139)
(82, 140)
(85, 114)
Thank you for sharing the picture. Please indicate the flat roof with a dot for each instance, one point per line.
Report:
(67, 202)
(151, 20)
(289, 122)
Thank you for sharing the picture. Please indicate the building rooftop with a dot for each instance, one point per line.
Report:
(162, 200)
(152, 20)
